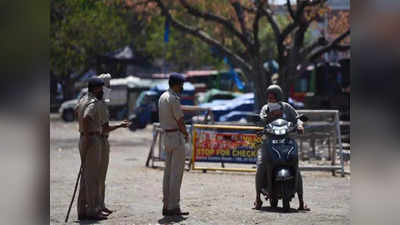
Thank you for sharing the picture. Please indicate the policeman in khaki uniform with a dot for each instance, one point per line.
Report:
(90, 112)
(105, 152)
(100, 115)
(175, 135)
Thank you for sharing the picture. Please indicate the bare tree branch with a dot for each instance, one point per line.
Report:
(256, 25)
(313, 2)
(299, 37)
(334, 45)
(290, 9)
(299, 15)
(272, 22)
(250, 10)
(138, 3)
(342, 48)
(288, 29)
(203, 36)
(318, 43)
(300, 33)
(258, 15)
(278, 35)
(299, 22)
(211, 17)
(292, 26)
(303, 4)
(240, 15)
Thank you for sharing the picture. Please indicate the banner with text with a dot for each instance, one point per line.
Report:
(233, 146)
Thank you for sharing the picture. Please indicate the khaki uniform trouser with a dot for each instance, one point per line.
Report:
(89, 203)
(104, 166)
(173, 172)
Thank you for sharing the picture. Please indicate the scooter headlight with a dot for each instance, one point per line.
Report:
(280, 131)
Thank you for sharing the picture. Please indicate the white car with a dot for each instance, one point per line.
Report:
(67, 108)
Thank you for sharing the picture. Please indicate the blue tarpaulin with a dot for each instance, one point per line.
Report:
(166, 31)
(232, 71)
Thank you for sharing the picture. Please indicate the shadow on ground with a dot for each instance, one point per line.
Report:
(278, 210)
(87, 222)
(171, 219)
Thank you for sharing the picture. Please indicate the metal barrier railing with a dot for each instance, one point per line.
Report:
(325, 120)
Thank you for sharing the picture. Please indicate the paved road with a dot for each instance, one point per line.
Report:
(134, 191)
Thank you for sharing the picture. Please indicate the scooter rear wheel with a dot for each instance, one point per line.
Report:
(286, 204)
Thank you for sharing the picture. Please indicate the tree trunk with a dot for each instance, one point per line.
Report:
(287, 70)
(282, 81)
(261, 81)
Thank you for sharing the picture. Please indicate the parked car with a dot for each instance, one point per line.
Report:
(238, 116)
(66, 109)
(240, 108)
(243, 103)
(216, 94)
(124, 94)
(146, 108)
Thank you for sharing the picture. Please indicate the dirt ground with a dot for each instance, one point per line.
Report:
(135, 191)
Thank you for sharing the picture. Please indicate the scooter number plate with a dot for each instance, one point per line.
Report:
(281, 141)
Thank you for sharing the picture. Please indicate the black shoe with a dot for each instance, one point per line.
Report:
(97, 217)
(82, 217)
(176, 212)
(257, 204)
(180, 213)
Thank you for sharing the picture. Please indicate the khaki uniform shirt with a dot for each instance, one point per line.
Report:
(81, 101)
(169, 109)
(91, 107)
(104, 113)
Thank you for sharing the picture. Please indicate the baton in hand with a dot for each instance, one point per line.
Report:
(73, 196)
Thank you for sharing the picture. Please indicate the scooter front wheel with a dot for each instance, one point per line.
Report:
(285, 197)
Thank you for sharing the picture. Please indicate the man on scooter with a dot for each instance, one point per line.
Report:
(274, 109)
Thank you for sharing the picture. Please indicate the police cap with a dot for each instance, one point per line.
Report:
(95, 82)
(176, 78)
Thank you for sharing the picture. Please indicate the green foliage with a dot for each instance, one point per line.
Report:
(268, 44)
(81, 30)
(183, 50)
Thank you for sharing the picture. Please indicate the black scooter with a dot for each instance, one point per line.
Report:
(283, 160)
